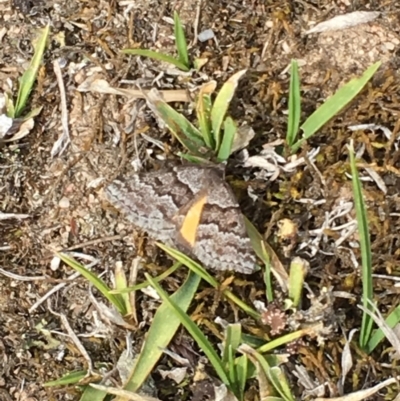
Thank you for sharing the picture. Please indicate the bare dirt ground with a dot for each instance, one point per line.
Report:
(109, 135)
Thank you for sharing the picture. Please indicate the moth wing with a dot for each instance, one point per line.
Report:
(149, 201)
(191, 207)
(211, 227)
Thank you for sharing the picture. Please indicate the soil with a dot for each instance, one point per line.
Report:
(58, 204)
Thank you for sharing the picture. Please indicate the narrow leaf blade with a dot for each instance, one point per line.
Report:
(180, 39)
(194, 331)
(28, 78)
(225, 150)
(294, 104)
(157, 56)
(183, 130)
(221, 105)
(334, 104)
(116, 299)
(162, 330)
(365, 245)
(203, 112)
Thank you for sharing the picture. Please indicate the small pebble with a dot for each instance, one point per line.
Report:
(55, 263)
(64, 203)
(206, 35)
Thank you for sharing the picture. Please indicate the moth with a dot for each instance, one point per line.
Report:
(191, 208)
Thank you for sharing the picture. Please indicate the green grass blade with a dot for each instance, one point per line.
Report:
(193, 159)
(181, 44)
(183, 130)
(265, 252)
(294, 104)
(199, 270)
(123, 395)
(269, 293)
(242, 368)
(297, 274)
(194, 331)
(10, 107)
(191, 264)
(69, 378)
(274, 374)
(121, 284)
(286, 339)
(33, 113)
(280, 383)
(232, 374)
(230, 129)
(233, 338)
(256, 240)
(334, 104)
(203, 112)
(378, 335)
(163, 328)
(96, 281)
(365, 245)
(145, 284)
(221, 105)
(93, 394)
(28, 78)
(157, 56)
(262, 367)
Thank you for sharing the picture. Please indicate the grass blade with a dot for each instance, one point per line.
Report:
(116, 300)
(232, 340)
(265, 252)
(334, 104)
(69, 378)
(365, 245)
(274, 374)
(230, 129)
(93, 394)
(183, 130)
(145, 284)
(269, 293)
(392, 320)
(242, 368)
(10, 108)
(162, 330)
(203, 110)
(280, 383)
(298, 271)
(288, 338)
(28, 78)
(181, 44)
(221, 105)
(157, 56)
(199, 270)
(193, 159)
(294, 104)
(121, 284)
(233, 335)
(194, 331)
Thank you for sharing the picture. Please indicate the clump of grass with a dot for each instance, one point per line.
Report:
(325, 112)
(214, 135)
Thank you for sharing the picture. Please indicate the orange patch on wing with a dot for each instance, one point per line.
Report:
(191, 222)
